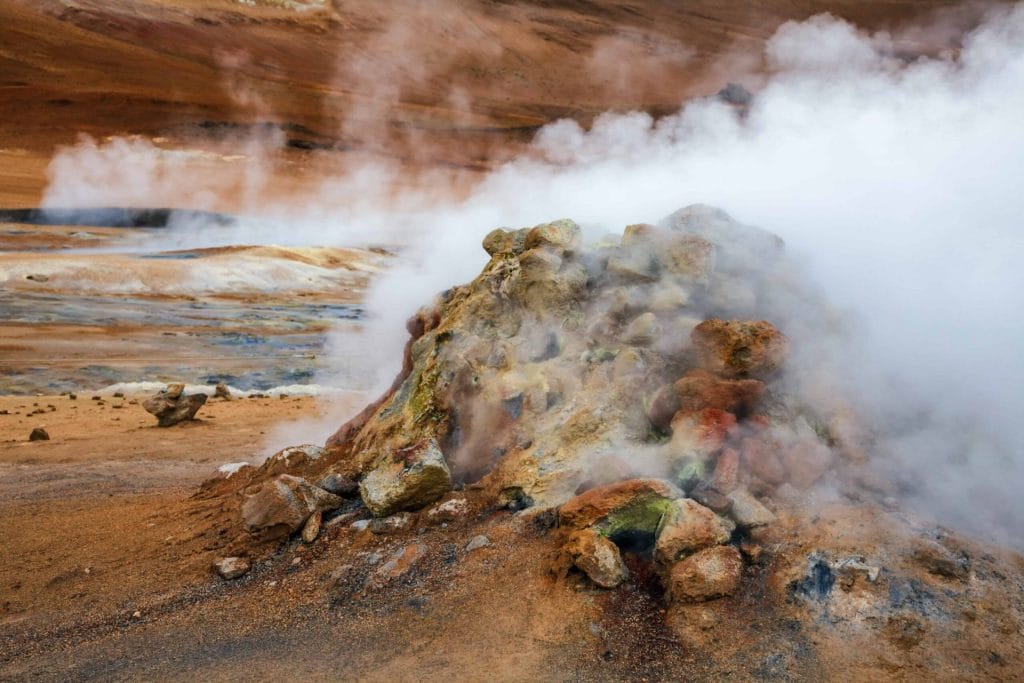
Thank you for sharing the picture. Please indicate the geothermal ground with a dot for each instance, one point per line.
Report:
(610, 452)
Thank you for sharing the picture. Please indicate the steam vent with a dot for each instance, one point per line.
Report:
(619, 417)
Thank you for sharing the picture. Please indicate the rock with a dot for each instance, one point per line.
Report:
(663, 407)
(477, 542)
(172, 406)
(563, 234)
(762, 461)
(282, 506)
(395, 524)
(738, 348)
(361, 524)
(699, 389)
(448, 511)
(726, 476)
(688, 526)
(506, 242)
(222, 391)
(712, 499)
(287, 459)
(311, 529)
(747, 511)
(37, 278)
(39, 434)
(598, 557)
(339, 485)
(407, 479)
(632, 505)
(705, 575)
(231, 567)
(736, 94)
(643, 330)
(398, 565)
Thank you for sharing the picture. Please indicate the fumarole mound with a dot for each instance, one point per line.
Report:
(637, 409)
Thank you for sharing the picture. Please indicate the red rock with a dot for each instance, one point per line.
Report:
(705, 430)
(699, 389)
(726, 476)
(738, 348)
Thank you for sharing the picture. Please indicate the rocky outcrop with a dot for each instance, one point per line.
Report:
(173, 406)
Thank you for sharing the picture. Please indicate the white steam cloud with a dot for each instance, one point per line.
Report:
(896, 182)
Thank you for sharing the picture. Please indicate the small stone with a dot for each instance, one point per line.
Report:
(708, 574)
(399, 564)
(136, 614)
(339, 485)
(477, 542)
(360, 525)
(448, 511)
(312, 527)
(39, 434)
(598, 557)
(174, 391)
(712, 499)
(748, 511)
(395, 524)
(222, 391)
(169, 409)
(231, 567)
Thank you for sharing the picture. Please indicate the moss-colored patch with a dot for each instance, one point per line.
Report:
(642, 515)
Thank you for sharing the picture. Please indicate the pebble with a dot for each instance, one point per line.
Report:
(477, 542)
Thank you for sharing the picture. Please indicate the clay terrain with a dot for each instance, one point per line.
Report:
(614, 455)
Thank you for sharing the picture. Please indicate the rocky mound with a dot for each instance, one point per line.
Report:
(629, 400)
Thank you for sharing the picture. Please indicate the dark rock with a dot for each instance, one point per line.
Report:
(39, 434)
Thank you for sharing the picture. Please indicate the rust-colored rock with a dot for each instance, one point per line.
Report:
(726, 476)
(739, 348)
(597, 557)
(699, 389)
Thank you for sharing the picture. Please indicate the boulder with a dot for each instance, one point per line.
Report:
(738, 348)
(282, 506)
(505, 242)
(705, 575)
(173, 406)
(311, 529)
(632, 505)
(597, 557)
(406, 479)
(664, 404)
(688, 526)
(39, 434)
(231, 567)
(222, 391)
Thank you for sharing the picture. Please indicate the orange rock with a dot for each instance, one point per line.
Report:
(704, 431)
(738, 348)
(699, 389)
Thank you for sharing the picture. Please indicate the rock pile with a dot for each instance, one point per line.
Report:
(633, 385)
